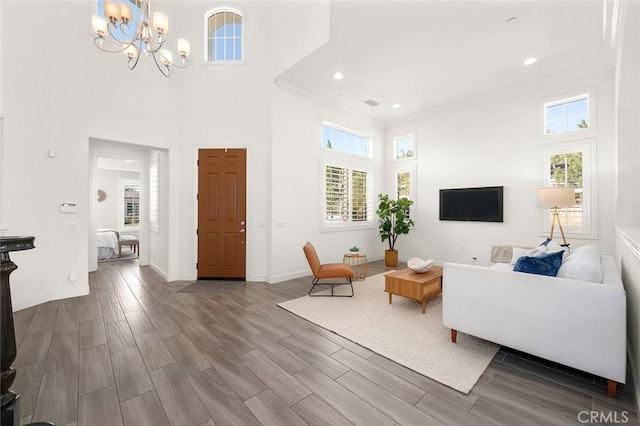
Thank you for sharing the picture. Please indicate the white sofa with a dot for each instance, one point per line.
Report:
(579, 324)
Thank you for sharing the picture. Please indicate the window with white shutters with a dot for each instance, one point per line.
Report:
(129, 205)
(348, 195)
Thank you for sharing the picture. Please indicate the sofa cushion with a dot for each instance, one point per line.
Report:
(547, 264)
(582, 264)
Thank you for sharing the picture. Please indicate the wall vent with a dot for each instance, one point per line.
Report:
(371, 102)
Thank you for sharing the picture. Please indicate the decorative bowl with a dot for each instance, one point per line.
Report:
(418, 265)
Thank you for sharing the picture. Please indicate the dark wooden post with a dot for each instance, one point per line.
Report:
(9, 400)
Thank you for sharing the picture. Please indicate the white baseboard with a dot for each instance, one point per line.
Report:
(256, 278)
(158, 270)
(288, 276)
(47, 297)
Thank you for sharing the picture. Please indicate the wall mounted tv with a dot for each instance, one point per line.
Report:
(472, 204)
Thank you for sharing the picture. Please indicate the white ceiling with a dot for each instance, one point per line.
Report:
(424, 54)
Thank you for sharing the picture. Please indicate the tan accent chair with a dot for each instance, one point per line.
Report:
(327, 270)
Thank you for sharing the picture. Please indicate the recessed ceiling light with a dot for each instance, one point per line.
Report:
(395, 106)
(338, 76)
(530, 61)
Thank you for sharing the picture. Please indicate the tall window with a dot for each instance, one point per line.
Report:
(347, 194)
(572, 165)
(404, 147)
(347, 141)
(129, 205)
(154, 166)
(567, 115)
(224, 35)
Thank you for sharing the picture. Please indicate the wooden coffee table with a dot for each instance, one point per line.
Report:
(420, 287)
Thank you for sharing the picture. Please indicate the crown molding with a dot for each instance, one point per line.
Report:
(323, 101)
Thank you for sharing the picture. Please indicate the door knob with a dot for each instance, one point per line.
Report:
(242, 230)
(242, 222)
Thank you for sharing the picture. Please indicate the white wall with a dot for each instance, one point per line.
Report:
(107, 210)
(296, 185)
(61, 99)
(493, 141)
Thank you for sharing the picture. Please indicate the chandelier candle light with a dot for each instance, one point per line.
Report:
(132, 38)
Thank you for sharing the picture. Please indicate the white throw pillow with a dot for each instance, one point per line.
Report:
(518, 253)
(553, 247)
(582, 264)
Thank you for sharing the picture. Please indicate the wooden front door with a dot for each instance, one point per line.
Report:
(222, 176)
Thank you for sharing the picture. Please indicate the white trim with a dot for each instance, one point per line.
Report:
(158, 270)
(47, 297)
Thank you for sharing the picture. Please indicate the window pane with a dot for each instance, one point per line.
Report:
(238, 50)
(228, 56)
(555, 112)
(131, 206)
(344, 141)
(359, 196)
(556, 126)
(327, 136)
(404, 147)
(404, 184)
(219, 53)
(337, 203)
(566, 170)
(577, 107)
(219, 25)
(577, 122)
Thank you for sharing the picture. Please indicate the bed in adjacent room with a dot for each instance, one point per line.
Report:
(108, 246)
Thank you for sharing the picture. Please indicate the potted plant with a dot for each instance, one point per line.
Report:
(354, 250)
(394, 221)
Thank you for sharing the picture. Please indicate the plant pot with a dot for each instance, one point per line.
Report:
(391, 258)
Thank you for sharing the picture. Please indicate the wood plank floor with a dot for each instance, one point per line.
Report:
(136, 352)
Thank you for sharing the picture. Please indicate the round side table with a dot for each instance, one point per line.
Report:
(358, 263)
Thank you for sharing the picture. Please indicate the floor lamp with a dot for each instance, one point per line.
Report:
(556, 198)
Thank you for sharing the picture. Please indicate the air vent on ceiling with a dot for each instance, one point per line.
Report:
(371, 102)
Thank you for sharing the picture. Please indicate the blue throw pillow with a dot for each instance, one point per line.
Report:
(547, 264)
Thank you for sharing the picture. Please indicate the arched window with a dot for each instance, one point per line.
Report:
(224, 32)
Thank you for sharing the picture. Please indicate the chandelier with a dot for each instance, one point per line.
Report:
(148, 34)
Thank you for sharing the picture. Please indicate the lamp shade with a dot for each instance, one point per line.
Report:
(556, 197)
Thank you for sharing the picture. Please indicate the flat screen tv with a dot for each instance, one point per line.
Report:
(472, 204)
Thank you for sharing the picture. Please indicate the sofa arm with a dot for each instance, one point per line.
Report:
(575, 323)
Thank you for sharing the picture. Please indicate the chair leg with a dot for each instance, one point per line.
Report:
(316, 282)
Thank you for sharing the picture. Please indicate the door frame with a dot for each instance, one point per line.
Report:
(194, 197)
(112, 149)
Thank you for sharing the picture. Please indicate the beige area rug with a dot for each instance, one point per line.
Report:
(400, 332)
